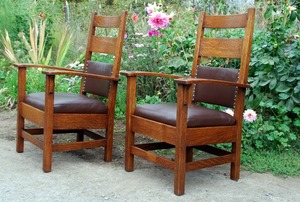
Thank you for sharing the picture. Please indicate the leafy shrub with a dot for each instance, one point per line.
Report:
(275, 81)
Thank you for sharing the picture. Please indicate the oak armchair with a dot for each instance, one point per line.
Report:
(61, 112)
(187, 125)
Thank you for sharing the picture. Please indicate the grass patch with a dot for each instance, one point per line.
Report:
(278, 163)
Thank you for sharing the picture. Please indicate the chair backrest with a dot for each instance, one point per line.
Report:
(98, 42)
(222, 48)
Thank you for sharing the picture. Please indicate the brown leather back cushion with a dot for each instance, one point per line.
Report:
(216, 94)
(98, 86)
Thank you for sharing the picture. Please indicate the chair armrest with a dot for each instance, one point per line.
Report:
(75, 73)
(20, 65)
(153, 74)
(190, 81)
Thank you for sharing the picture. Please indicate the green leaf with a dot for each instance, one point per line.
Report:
(296, 98)
(282, 88)
(291, 79)
(297, 89)
(272, 83)
(254, 83)
(284, 78)
(176, 62)
(297, 123)
(268, 13)
(284, 128)
(264, 83)
(293, 136)
(290, 104)
(296, 110)
(283, 96)
(293, 16)
(276, 59)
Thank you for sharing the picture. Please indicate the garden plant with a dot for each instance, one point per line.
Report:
(54, 32)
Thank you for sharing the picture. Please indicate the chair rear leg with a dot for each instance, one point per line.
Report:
(109, 144)
(189, 154)
(19, 138)
(129, 157)
(80, 136)
(235, 166)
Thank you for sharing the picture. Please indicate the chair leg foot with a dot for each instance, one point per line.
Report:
(107, 156)
(47, 158)
(47, 170)
(180, 170)
(19, 138)
(47, 165)
(179, 185)
(20, 145)
(235, 172)
(129, 157)
(129, 162)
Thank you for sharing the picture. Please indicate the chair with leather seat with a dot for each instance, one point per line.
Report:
(83, 114)
(189, 125)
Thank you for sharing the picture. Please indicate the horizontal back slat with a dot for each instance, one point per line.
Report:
(224, 48)
(107, 22)
(232, 21)
(103, 45)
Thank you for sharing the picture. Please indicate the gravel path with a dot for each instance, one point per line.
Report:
(84, 176)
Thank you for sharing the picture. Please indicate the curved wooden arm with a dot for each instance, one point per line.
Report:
(189, 81)
(154, 74)
(45, 67)
(74, 73)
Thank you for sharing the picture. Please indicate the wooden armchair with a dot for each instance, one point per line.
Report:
(60, 112)
(187, 125)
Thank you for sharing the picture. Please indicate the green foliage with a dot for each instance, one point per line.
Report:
(275, 81)
(32, 50)
(8, 85)
(169, 52)
(279, 163)
(273, 133)
(212, 6)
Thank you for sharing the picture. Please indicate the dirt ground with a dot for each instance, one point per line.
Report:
(84, 176)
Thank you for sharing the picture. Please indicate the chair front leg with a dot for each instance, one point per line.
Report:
(180, 143)
(129, 157)
(180, 170)
(47, 150)
(48, 123)
(20, 119)
(130, 108)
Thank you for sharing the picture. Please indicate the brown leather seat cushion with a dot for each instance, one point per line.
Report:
(197, 116)
(68, 103)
